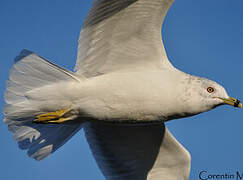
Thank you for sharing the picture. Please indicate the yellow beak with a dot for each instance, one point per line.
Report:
(232, 101)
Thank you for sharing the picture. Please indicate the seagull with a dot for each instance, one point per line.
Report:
(121, 93)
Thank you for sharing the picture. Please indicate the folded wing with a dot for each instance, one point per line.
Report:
(122, 35)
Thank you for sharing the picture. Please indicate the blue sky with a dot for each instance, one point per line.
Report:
(203, 38)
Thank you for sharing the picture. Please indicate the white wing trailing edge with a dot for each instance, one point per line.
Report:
(119, 35)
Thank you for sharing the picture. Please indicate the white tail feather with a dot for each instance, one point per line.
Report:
(31, 72)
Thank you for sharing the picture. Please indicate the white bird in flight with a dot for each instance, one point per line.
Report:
(122, 92)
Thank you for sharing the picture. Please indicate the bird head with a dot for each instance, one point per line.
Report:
(206, 95)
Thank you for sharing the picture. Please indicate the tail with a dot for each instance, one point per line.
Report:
(30, 72)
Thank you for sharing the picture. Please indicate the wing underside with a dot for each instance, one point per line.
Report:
(137, 152)
(122, 34)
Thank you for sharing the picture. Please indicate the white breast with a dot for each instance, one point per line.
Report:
(131, 96)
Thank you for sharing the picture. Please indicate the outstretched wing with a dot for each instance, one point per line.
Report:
(132, 152)
(173, 160)
(122, 35)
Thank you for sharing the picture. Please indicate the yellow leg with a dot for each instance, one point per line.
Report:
(53, 117)
(59, 121)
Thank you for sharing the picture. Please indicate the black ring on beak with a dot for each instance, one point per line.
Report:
(237, 103)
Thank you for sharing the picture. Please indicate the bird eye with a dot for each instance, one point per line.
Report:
(210, 89)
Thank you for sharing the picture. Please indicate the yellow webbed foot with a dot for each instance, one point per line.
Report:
(53, 117)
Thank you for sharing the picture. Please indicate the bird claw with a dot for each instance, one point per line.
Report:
(53, 117)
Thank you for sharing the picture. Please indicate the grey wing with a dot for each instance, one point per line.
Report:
(122, 35)
(137, 152)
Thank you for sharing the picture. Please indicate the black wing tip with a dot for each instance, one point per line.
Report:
(24, 53)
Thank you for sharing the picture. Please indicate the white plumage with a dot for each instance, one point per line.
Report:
(123, 90)
(122, 34)
(29, 73)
